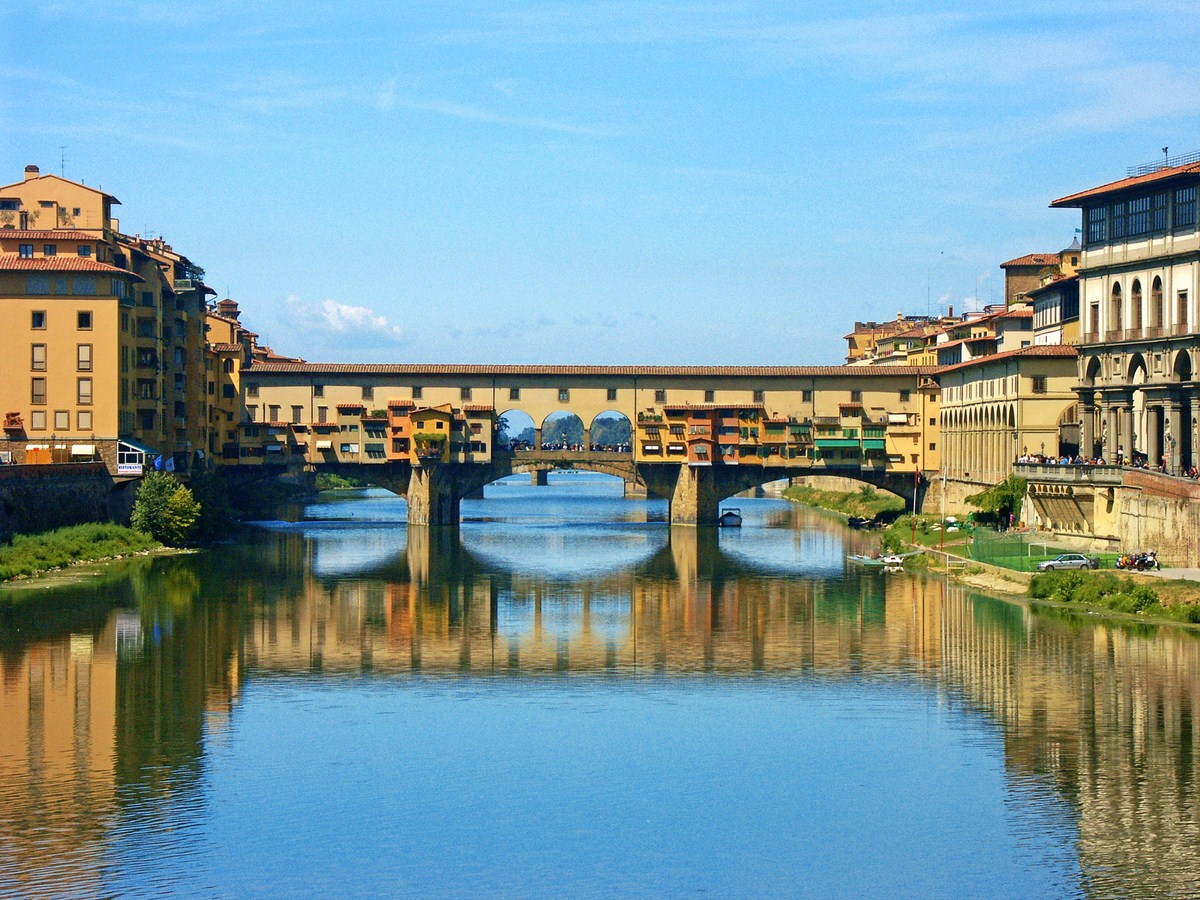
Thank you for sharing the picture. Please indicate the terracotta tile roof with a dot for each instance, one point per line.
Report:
(1076, 199)
(708, 407)
(1039, 350)
(1032, 259)
(284, 368)
(477, 407)
(402, 404)
(351, 406)
(226, 348)
(1022, 313)
(19, 234)
(10, 262)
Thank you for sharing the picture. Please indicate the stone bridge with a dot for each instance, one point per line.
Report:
(434, 493)
(698, 434)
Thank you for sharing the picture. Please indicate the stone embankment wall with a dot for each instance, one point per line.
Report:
(1163, 514)
(39, 498)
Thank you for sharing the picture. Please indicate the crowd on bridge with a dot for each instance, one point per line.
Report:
(1139, 461)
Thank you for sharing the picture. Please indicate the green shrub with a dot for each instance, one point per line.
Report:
(31, 553)
(165, 509)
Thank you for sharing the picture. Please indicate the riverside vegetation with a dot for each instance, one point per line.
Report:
(865, 502)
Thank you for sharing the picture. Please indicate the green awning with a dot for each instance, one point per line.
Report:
(827, 443)
(874, 444)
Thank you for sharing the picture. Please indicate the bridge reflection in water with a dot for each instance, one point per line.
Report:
(120, 708)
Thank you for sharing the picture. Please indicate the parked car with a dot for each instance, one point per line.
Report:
(1068, 561)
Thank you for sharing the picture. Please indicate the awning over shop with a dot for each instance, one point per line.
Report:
(83, 450)
(874, 444)
(830, 443)
(324, 445)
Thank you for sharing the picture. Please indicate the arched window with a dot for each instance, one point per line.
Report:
(1115, 318)
(1135, 305)
(1156, 303)
(228, 366)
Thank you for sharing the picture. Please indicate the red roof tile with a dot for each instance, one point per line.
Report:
(1038, 350)
(1191, 169)
(1032, 259)
(284, 368)
(226, 348)
(10, 262)
(351, 406)
(19, 234)
(477, 407)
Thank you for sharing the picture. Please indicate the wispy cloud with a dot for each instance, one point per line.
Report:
(343, 318)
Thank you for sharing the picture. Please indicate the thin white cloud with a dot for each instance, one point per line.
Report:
(343, 318)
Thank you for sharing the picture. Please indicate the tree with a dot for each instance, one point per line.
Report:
(1001, 500)
(165, 509)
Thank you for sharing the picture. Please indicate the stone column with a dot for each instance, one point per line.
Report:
(1127, 431)
(1087, 430)
(694, 500)
(432, 497)
(1175, 422)
(539, 477)
(587, 439)
(537, 439)
(1154, 446)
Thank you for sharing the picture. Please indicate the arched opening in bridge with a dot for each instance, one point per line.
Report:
(515, 430)
(563, 431)
(611, 432)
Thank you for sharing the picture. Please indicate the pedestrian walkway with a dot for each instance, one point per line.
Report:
(1186, 574)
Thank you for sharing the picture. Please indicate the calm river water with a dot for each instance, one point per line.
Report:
(569, 698)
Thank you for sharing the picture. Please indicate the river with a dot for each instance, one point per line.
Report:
(567, 697)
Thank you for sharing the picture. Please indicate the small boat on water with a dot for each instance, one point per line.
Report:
(891, 561)
(730, 518)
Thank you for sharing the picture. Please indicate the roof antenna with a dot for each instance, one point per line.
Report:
(62, 160)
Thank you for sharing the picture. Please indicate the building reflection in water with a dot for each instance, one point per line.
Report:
(106, 719)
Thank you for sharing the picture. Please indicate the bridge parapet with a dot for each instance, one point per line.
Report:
(1034, 473)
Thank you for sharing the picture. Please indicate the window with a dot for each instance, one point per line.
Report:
(933, 445)
(83, 391)
(514, 393)
(1117, 226)
(933, 421)
(322, 413)
(758, 396)
(612, 394)
(37, 420)
(83, 357)
(1138, 216)
(37, 285)
(10, 204)
(37, 391)
(50, 250)
(1094, 224)
(60, 285)
(252, 411)
(1158, 212)
(710, 396)
(1185, 209)
(660, 396)
(856, 396)
(85, 285)
(274, 412)
(83, 420)
(368, 392)
(83, 320)
(1039, 384)
(905, 396)
(75, 211)
(62, 420)
(464, 393)
(318, 390)
(1182, 301)
(252, 389)
(85, 249)
(297, 413)
(37, 361)
(120, 288)
(25, 251)
(564, 395)
(806, 396)
(418, 392)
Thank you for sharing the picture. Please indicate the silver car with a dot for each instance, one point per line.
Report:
(1068, 561)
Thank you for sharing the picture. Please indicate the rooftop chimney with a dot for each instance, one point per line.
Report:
(32, 172)
(950, 311)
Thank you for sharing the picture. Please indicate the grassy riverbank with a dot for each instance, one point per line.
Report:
(32, 554)
(1176, 600)
(865, 502)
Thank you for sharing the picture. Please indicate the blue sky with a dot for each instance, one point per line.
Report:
(610, 182)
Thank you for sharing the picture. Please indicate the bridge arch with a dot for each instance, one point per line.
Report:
(562, 428)
(515, 426)
(610, 430)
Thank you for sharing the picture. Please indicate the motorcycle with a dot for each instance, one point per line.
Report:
(1138, 561)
